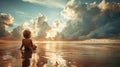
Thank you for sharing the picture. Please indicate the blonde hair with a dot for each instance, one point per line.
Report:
(27, 33)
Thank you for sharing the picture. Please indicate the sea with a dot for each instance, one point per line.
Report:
(60, 54)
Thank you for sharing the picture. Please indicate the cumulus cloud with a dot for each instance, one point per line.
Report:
(49, 3)
(17, 32)
(56, 28)
(67, 12)
(43, 26)
(5, 20)
(38, 26)
(85, 21)
(91, 20)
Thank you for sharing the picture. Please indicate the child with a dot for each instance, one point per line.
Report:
(27, 42)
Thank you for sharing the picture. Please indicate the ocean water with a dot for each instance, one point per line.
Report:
(61, 55)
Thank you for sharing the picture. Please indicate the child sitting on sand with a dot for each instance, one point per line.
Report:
(27, 42)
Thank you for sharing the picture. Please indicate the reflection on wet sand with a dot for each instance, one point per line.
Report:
(30, 59)
(46, 56)
(55, 61)
(34, 60)
(54, 56)
(61, 55)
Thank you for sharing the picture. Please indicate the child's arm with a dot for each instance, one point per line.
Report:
(21, 45)
(33, 46)
(31, 43)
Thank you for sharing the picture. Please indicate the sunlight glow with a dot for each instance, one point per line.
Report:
(34, 29)
(56, 61)
(34, 60)
(52, 33)
(54, 57)
(55, 29)
(103, 5)
(69, 13)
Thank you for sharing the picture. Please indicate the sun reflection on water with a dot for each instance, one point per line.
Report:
(34, 60)
(54, 56)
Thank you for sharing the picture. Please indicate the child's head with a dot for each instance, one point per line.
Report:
(27, 33)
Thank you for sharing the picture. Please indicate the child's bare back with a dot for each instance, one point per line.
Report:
(27, 42)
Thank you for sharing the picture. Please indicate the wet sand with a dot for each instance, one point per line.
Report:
(61, 55)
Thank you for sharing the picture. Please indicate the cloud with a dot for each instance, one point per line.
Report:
(20, 12)
(43, 26)
(38, 27)
(85, 21)
(67, 12)
(5, 20)
(17, 32)
(49, 3)
(56, 28)
(91, 20)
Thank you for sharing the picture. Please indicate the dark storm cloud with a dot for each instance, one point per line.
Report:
(91, 20)
(5, 20)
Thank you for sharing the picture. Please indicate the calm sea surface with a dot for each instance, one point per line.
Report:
(61, 55)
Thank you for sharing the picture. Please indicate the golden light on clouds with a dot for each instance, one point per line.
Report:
(55, 29)
(34, 29)
(52, 33)
(6, 18)
(69, 13)
(103, 5)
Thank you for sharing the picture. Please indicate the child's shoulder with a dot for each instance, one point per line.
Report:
(26, 39)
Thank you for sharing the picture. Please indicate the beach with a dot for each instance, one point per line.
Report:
(61, 54)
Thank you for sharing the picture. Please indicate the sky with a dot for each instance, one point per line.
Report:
(59, 17)
(23, 10)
